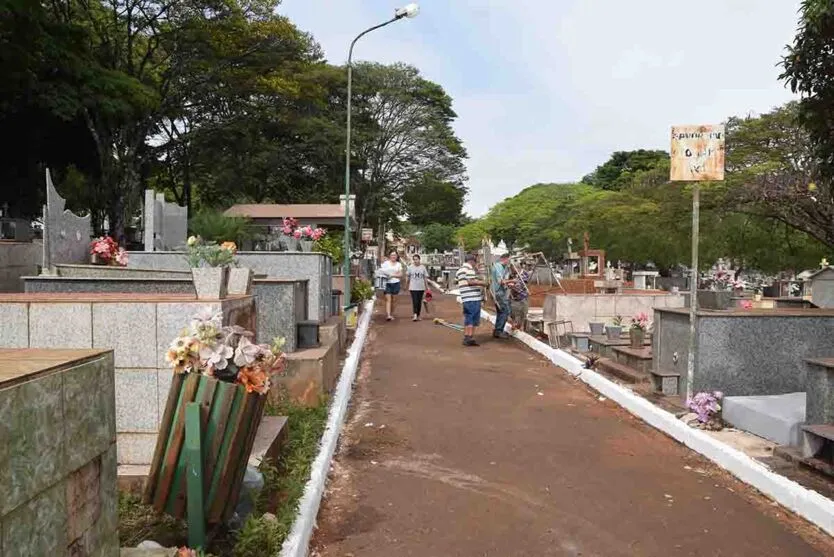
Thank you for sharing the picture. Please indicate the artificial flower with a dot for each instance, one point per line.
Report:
(229, 246)
(216, 357)
(121, 257)
(254, 379)
(192, 240)
(246, 352)
(297, 234)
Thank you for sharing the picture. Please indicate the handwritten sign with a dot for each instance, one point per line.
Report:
(697, 153)
(367, 234)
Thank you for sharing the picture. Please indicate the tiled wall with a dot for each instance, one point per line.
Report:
(18, 259)
(139, 333)
(58, 463)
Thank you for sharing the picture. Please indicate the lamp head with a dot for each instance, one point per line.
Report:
(408, 11)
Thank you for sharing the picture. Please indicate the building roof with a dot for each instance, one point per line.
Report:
(808, 275)
(272, 211)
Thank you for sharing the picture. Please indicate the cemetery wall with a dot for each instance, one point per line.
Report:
(746, 352)
(138, 327)
(582, 309)
(58, 479)
(317, 268)
(18, 259)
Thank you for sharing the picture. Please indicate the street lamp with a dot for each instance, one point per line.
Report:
(408, 11)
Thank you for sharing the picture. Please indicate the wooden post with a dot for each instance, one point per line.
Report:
(194, 477)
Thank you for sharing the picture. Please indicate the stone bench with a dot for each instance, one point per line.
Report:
(637, 358)
(621, 371)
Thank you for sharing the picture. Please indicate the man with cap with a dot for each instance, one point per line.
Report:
(501, 284)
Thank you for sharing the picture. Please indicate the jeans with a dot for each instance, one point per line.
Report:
(417, 301)
(502, 307)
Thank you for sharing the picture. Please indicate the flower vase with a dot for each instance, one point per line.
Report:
(96, 260)
(289, 242)
(210, 282)
(231, 419)
(597, 329)
(307, 245)
(637, 336)
(240, 281)
(614, 332)
(757, 297)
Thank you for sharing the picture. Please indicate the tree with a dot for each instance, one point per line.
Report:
(433, 201)
(407, 138)
(436, 236)
(620, 168)
(809, 70)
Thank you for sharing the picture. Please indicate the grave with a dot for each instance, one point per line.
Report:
(66, 236)
(58, 455)
(778, 418)
(583, 309)
(743, 352)
(17, 260)
(138, 327)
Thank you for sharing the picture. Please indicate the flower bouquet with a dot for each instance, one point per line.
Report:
(210, 264)
(106, 251)
(223, 370)
(309, 236)
(291, 234)
(706, 406)
(637, 331)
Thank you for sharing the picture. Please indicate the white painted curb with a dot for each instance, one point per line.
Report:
(806, 503)
(297, 543)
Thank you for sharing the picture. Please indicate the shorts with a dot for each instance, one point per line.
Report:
(392, 288)
(471, 314)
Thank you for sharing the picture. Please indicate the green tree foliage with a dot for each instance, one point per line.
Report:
(809, 70)
(404, 138)
(432, 201)
(618, 171)
(436, 236)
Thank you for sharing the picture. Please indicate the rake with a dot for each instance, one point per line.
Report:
(455, 326)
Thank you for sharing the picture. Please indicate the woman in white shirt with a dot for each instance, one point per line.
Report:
(392, 269)
(417, 285)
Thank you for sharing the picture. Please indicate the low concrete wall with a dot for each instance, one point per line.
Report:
(137, 327)
(281, 304)
(18, 259)
(582, 309)
(744, 352)
(317, 268)
(58, 425)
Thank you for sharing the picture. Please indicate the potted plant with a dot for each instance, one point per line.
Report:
(597, 328)
(757, 293)
(309, 236)
(637, 331)
(209, 264)
(290, 234)
(106, 251)
(240, 278)
(615, 330)
(229, 375)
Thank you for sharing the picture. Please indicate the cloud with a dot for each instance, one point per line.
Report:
(545, 90)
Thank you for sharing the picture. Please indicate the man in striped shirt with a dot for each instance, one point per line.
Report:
(469, 285)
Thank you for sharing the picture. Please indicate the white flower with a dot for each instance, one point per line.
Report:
(217, 356)
(192, 240)
(246, 353)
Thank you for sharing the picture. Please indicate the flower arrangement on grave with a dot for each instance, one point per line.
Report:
(106, 250)
(706, 406)
(289, 226)
(637, 330)
(722, 279)
(314, 234)
(616, 328)
(210, 254)
(226, 353)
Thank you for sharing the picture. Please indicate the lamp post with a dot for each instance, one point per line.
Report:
(408, 11)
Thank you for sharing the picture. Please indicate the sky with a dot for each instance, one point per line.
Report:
(546, 90)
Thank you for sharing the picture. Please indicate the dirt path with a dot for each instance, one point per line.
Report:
(492, 451)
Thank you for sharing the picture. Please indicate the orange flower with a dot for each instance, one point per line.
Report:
(254, 379)
(229, 246)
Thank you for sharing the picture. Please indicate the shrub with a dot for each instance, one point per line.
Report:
(214, 226)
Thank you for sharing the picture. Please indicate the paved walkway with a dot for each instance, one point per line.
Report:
(492, 451)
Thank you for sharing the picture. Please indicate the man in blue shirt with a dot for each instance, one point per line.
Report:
(500, 285)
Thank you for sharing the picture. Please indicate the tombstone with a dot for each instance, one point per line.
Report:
(166, 224)
(66, 236)
(822, 287)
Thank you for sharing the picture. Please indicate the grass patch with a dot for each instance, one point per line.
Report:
(284, 482)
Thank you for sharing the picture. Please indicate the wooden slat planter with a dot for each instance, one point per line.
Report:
(229, 421)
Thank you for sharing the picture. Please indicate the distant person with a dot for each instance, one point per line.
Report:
(519, 299)
(470, 284)
(500, 286)
(416, 285)
(393, 272)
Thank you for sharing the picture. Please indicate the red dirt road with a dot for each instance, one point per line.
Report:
(492, 451)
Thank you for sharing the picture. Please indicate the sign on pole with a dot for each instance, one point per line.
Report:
(367, 234)
(697, 155)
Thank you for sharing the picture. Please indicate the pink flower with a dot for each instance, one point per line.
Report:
(297, 234)
(121, 257)
(746, 304)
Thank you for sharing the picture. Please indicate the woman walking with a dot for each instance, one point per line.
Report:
(417, 285)
(393, 272)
